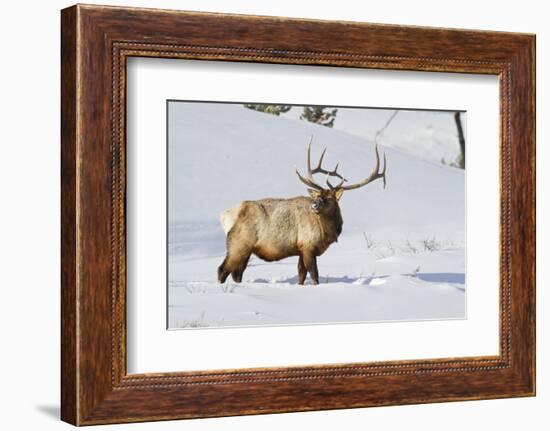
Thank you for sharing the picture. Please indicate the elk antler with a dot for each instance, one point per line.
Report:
(374, 174)
(310, 181)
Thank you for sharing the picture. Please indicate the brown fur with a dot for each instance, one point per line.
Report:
(274, 229)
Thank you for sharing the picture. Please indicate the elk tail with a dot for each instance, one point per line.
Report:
(228, 218)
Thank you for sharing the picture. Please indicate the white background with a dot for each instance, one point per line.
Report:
(29, 227)
(152, 349)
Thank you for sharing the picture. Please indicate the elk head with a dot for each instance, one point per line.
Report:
(325, 200)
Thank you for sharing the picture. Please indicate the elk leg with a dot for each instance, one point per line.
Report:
(223, 273)
(302, 270)
(237, 274)
(238, 253)
(235, 263)
(310, 262)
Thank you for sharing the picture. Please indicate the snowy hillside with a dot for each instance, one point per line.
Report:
(400, 256)
(429, 135)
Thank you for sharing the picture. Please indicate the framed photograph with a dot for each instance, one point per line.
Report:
(318, 215)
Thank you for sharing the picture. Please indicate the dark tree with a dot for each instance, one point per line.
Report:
(461, 159)
(318, 115)
(269, 109)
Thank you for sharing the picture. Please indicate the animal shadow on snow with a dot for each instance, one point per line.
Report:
(322, 280)
(432, 277)
(442, 277)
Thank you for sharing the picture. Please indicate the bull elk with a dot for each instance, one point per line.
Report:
(303, 226)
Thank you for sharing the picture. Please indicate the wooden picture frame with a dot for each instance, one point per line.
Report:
(95, 43)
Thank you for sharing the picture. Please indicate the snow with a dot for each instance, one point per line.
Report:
(401, 255)
(432, 135)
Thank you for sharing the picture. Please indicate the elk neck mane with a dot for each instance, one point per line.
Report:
(331, 225)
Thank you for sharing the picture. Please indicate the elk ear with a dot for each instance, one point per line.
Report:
(338, 193)
(314, 194)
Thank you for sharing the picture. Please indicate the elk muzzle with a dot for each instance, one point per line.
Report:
(317, 205)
